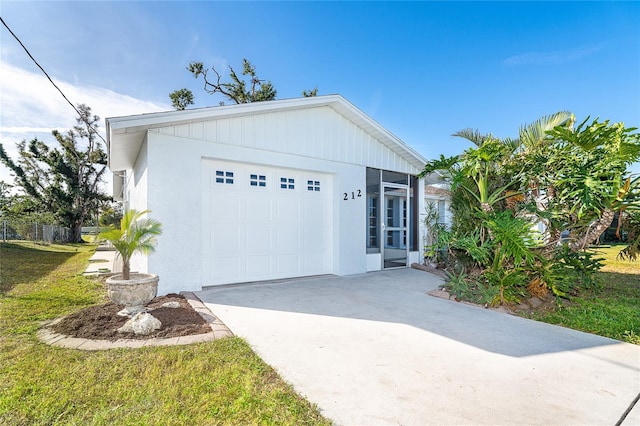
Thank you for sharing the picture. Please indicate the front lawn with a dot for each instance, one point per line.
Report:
(613, 311)
(220, 382)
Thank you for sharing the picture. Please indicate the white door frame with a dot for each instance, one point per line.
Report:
(383, 226)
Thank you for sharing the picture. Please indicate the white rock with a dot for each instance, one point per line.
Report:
(173, 304)
(141, 323)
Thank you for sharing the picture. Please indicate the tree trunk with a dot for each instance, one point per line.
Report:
(486, 208)
(594, 231)
(618, 236)
(76, 233)
(552, 240)
(126, 269)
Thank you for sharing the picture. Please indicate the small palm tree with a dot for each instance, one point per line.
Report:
(136, 235)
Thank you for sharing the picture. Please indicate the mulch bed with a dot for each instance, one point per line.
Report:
(102, 322)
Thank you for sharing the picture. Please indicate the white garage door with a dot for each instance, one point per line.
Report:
(262, 223)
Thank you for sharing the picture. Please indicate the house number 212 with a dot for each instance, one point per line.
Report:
(354, 195)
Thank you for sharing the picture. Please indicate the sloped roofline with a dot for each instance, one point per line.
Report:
(126, 134)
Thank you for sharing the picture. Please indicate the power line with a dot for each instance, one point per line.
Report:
(52, 82)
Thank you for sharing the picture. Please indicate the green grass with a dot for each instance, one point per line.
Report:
(613, 311)
(220, 382)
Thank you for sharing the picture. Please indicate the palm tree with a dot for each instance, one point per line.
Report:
(473, 136)
(534, 135)
(591, 169)
(482, 165)
(534, 138)
(136, 235)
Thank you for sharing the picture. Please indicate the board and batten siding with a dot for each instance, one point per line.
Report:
(166, 178)
(320, 133)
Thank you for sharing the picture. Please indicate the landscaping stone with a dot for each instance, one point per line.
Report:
(535, 302)
(442, 294)
(171, 305)
(142, 323)
(503, 309)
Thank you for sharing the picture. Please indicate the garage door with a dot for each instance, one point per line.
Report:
(263, 223)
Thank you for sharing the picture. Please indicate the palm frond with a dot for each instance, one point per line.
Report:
(534, 134)
(631, 150)
(135, 235)
(471, 135)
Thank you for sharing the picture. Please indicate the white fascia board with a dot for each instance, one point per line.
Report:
(136, 123)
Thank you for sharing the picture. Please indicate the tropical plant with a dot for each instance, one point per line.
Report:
(433, 230)
(533, 136)
(458, 285)
(506, 255)
(512, 238)
(632, 226)
(472, 245)
(488, 294)
(483, 166)
(586, 178)
(472, 135)
(510, 283)
(571, 270)
(556, 177)
(135, 235)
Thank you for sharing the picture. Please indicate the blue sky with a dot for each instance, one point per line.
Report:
(423, 70)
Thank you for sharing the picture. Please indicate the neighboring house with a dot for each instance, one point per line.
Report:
(268, 190)
(437, 199)
(440, 196)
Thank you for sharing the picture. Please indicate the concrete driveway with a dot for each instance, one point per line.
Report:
(376, 349)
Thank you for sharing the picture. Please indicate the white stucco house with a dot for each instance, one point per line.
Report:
(268, 190)
(440, 195)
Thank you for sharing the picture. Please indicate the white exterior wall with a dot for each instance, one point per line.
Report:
(136, 198)
(448, 214)
(316, 139)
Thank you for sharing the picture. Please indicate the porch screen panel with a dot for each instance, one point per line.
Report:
(373, 210)
(415, 214)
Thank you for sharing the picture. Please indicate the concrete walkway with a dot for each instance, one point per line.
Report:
(102, 261)
(375, 349)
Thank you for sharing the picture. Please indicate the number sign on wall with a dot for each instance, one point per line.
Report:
(346, 196)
